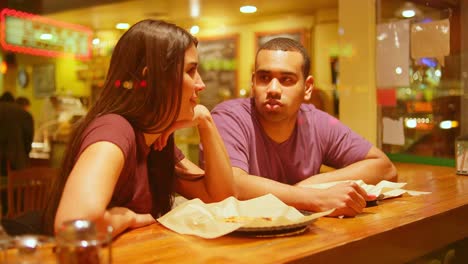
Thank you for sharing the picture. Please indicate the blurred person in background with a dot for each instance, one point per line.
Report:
(25, 104)
(16, 134)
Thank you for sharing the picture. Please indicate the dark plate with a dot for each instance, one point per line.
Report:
(272, 233)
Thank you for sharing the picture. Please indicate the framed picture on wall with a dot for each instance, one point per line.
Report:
(43, 77)
(218, 68)
(299, 35)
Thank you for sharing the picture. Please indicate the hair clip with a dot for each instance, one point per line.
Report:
(130, 85)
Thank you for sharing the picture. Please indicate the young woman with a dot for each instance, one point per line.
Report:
(121, 166)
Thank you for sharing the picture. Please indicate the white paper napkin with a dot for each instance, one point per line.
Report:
(212, 220)
(383, 190)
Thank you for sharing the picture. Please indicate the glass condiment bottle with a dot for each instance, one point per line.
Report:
(33, 249)
(461, 155)
(5, 241)
(81, 241)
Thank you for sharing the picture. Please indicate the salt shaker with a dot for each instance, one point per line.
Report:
(81, 241)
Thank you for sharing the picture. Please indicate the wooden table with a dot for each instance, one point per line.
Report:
(395, 231)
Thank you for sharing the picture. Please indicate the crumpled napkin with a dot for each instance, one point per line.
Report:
(383, 190)
(213, 220)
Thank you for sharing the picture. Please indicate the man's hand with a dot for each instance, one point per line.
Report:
(348, 199)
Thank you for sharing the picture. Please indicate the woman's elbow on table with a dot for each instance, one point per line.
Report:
(391, 173)
(73, 213)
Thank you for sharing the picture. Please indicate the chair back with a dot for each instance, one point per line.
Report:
(28, 189)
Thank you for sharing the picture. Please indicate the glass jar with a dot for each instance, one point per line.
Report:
(33, 249)
(5, 241)
(461, 155)
(82, 241)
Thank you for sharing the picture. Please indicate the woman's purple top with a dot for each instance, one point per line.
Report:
(132, 188)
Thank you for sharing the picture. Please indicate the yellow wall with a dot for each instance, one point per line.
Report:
(66, 81)
(325, 35)
(321, 30)
(358, 106)
(246, 34)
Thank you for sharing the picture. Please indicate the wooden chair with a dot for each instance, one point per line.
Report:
(28, 189)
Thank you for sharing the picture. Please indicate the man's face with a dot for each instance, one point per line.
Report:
(278, 85)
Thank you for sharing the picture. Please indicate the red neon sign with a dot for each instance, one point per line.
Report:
(36, 35)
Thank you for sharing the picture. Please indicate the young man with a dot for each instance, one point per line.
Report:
(277, 144)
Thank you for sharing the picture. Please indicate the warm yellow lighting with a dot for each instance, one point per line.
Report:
(398, 70)
(122, 26)
(194, 8)
(411, 123)
(3, 67)
(96, 41)
(46, 36)
(408, 10)
(194, 30)
(408, 13)
(242, 92)
(248, 9)
(448, 124)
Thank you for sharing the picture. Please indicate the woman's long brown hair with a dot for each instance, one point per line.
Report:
(151, 105)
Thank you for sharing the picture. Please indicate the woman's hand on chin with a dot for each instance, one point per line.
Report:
(200, 113)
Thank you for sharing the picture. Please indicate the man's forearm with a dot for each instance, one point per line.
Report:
(250, 186)
(371, 171)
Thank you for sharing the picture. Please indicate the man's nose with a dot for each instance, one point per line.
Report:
(274, 86)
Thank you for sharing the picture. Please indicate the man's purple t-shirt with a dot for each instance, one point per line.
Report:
(317, 139)
(132, 188)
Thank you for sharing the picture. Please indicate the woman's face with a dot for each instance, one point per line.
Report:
(191, 84)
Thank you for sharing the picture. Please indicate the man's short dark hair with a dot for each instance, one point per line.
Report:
(7, 97)
(287, 44)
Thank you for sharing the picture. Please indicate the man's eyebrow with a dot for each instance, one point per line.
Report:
(291, 73)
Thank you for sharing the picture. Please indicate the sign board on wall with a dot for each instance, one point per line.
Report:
(218, 68)
(44, 80)
(36, 35)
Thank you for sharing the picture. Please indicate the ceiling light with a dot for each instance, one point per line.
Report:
(408, 10)
(248, 9)
(46, 36)
(408, 13)
(398, 70)
(96, 41)
(122, 26)
(194, 30)
(194, 8)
